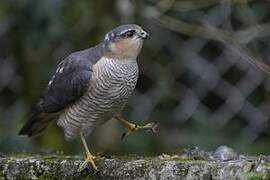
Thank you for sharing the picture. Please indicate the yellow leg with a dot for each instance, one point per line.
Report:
(89, 157)
(133, 127)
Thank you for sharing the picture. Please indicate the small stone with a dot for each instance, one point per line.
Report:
(225, 153)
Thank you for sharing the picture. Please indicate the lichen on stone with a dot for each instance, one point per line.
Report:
(176, 166)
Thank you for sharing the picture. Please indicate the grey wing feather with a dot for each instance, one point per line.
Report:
(71, 80)
(66, 87)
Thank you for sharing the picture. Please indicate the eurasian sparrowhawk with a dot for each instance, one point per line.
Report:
(91, 86)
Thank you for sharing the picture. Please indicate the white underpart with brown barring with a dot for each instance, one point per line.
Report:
(111, 84)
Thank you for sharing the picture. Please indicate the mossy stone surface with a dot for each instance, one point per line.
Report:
(161, 167)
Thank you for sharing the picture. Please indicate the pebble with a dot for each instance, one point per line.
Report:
(225, 153)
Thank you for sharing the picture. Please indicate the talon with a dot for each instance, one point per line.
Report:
(126, 134)
(154, 128)
(123, 136)
(89, 159)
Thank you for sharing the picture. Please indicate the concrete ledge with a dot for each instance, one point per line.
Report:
(182, 166)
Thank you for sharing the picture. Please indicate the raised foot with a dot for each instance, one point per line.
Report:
(152, 126)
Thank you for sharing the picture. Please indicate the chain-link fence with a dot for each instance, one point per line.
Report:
(216, 74)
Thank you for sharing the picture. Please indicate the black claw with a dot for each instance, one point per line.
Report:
(123, 136)
(154, 127)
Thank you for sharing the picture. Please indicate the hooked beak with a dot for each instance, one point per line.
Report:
(145, 35)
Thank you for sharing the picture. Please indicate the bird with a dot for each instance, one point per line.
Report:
(91, 87)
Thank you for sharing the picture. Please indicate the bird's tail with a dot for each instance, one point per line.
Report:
(37, 122)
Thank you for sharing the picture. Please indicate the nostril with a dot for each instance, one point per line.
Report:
(145, 35)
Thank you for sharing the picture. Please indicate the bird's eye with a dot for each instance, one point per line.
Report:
(128, 34)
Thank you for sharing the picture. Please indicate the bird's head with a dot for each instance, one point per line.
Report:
(125, 42)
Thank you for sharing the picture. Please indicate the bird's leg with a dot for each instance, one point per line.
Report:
(89, 157)
(152, 126)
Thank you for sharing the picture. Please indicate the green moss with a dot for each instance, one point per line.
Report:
(2, 175)
(267, 164)
(44, 157)
(185, 160)
(128, 157)
(58, 157)
(21, 155)
(189, 160)
(48, 176)
(254, 176)
(88, 177)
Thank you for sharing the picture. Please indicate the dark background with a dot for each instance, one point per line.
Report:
(203, 74)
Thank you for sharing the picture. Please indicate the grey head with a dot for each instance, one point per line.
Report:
(125, 41)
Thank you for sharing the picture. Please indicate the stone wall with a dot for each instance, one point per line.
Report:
(187, 165)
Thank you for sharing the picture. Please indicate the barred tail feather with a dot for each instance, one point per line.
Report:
(37, 122)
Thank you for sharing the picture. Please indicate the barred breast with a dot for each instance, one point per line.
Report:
(111, 84)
